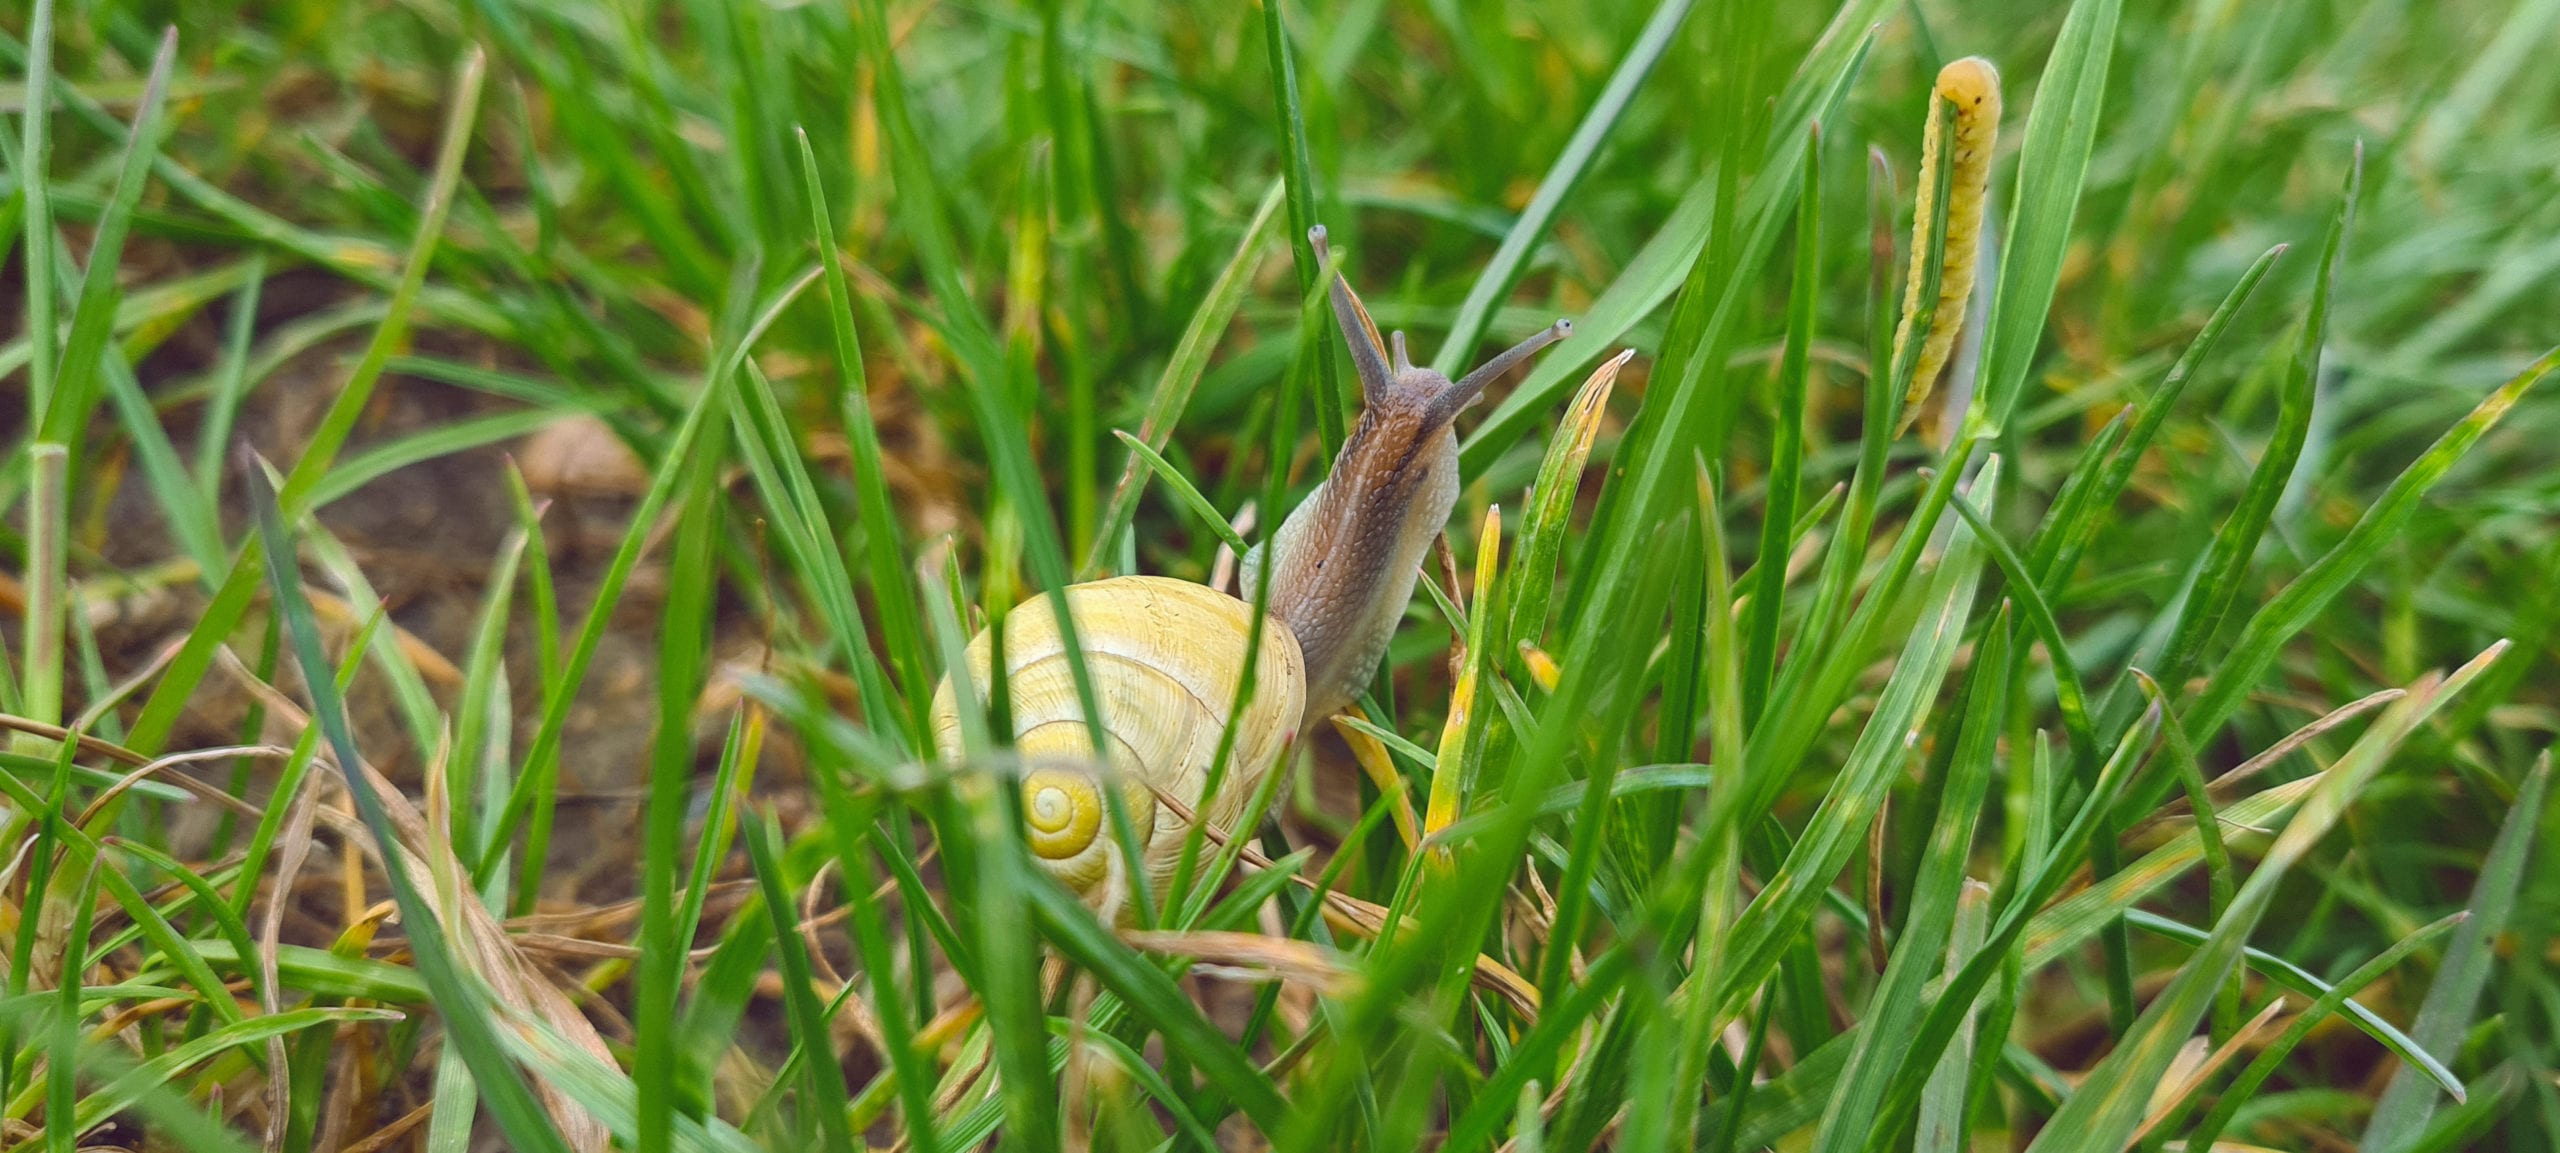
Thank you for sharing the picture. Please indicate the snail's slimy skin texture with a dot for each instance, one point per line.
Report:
(1165, 656)
(1345, 562)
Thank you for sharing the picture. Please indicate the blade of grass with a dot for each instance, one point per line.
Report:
(1181, 377)
(2059, 544)
(2444, 1018)
(442, 440)
(808, 541)
(1659, 268)
(161, 711)
(536, 782)
(1297, 176)
(1185, 492)
(468, 1018)
(1503, 270)
(1154, 998)
(2297, 979)
(34, 169)
(1955, 998)
(1894, 1008)
(1791, 896)
(2107, 1106)
(846, 820)
(884, 546)
(1943, 1108)
(2235, 544)
(2293, 609)
(1786, 446)
(93, 313)
(808, 1019)
(683, 638)
(1550, 504)
(2062, 128)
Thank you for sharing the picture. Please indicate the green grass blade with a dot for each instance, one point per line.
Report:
(469, 1021)
(1944, 1124)
(2293, 609)
(1181, 376)
(683, 643)
(808, 1018)
(443, 440)
(1155, 999)
(2288, 975)
(231, 599)
(1550, 504)
(2069, 696)
(1894, 1008)
(1503, 270)
(93, 316)
(2059, 545)
(1297, 176)
(1840, 825)
(1813, 96)
(884, 546)
(2107, 1106)
(1786, 446)
(847, 819)
(2235, 544)
(1186, 492)
(809, 542)
(541, 760)
(2062, 128)
(1955, 998)
(338, 422)
(2444, 1018)
(35, 187)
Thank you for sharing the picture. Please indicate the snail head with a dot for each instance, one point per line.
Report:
(1344, 563)
(1390, 383)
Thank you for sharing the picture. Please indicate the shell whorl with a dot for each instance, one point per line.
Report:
(1165, 656)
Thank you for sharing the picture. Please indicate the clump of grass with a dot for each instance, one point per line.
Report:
(2163, 758)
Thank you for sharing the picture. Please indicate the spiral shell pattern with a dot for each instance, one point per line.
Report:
(1165, 656)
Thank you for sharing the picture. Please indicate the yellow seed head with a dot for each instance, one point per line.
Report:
(1971, 87)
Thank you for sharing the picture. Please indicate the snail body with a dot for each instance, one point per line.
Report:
(1166, 655)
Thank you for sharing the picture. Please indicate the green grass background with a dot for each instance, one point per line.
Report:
(1898, 852)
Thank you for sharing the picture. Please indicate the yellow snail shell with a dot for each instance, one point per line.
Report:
(1165, 656)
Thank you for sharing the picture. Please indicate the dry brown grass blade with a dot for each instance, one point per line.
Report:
(94, 746)
(1251, 956)
(2186, 1076)
(2223, 788)
(480, 941)
(293, 848)
(1350, 914)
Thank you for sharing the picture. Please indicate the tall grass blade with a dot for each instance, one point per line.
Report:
(1181, 376)
(2444, 1018)
(2293, 609)
(470, 1021)
(1297, 176)
(1936, 902)
(1503, 269)
(2108, 1106)
(2062, 128)
(1786, 445)
(884, 550)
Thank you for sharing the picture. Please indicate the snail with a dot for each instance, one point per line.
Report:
(1165, 655)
